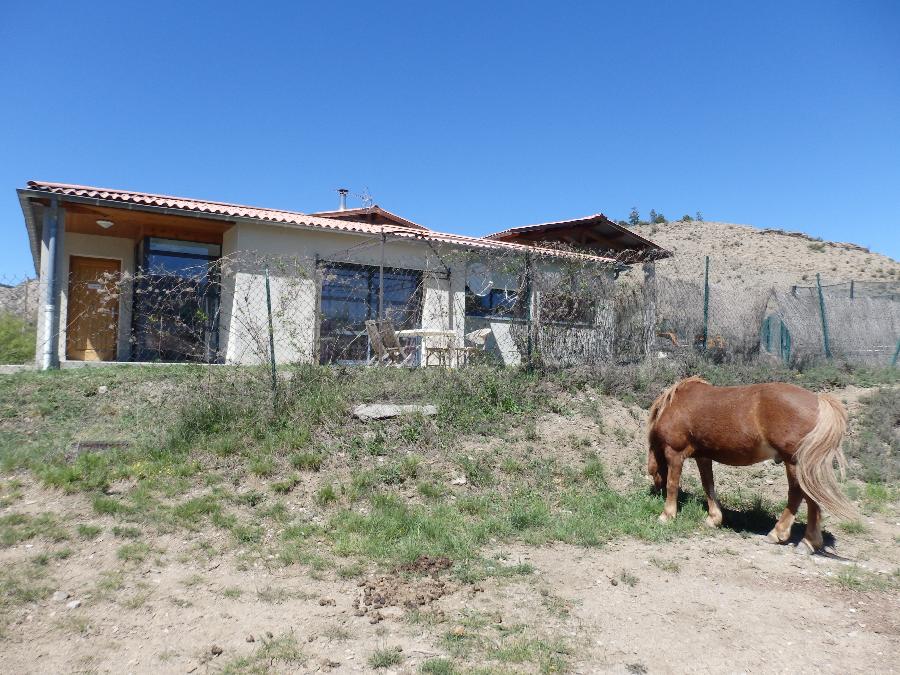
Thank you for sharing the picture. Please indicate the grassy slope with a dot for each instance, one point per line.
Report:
(195, 450)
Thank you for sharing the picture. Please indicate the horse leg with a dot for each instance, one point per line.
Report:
(782, 530)
(674, 460)
(812, 538)
(714, 519)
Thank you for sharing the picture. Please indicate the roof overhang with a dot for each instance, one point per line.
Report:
(595, 232)
(374, 214)
(37, 193)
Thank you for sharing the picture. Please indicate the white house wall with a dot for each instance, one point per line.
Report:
(291, 255)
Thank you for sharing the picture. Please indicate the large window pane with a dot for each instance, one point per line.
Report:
(350, 298)
(176, 308)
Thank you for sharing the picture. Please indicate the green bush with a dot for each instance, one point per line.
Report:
(17, 338)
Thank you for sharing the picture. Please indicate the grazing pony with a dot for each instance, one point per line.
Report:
(745, 425)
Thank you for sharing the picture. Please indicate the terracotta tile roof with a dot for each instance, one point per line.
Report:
(285, 218)
(363, 213)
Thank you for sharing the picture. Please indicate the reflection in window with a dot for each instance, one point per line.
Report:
(176, 305)
(498, 302)
(350, 298)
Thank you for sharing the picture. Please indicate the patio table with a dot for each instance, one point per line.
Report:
(424, 334)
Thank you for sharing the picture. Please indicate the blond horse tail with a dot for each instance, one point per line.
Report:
(816, 455)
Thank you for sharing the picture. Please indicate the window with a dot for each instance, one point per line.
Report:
(350, 298)
(498, 302)
(176, 304)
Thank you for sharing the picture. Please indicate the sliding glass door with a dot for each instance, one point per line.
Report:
(176, 304)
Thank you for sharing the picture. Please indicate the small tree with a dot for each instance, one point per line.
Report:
(686, 218)
(634, 218)
(657, 218)
(699, 217)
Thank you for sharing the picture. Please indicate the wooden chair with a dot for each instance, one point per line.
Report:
(386, 345)
(476, 344)
(443, 352)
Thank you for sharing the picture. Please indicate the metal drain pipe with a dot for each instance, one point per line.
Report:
(51, 309)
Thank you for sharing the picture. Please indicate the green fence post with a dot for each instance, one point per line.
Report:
(706, 304)
(896, 354)
(271, 334)
(824, 321)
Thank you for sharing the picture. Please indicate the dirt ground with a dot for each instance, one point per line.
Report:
(724, 601)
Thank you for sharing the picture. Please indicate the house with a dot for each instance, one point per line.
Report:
(131, 276)
(595, 233)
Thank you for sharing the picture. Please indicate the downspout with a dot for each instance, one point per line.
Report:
(51, 308)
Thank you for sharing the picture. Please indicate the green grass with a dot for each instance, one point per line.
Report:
(16, 528)
(20, 585)
(134, 552)
(385, 657)
(395, 530)
(88, 531)
(125, 532)
(876, 446)
(16, 339)
(853, 527)
(855, 578)
(326, 495)
(307, 461)
(278, 654)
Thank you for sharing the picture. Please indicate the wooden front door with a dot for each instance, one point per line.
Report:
(92, 318)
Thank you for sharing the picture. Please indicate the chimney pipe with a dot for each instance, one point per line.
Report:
(343, 193)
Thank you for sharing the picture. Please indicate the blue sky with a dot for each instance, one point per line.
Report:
(466, 117)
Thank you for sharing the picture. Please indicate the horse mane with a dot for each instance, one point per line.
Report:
(664, 399)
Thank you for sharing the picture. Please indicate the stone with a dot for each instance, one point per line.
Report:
(215, 650)
(60, 596)
(380, 411)
(458, 481)
(73, 604)
(102, 389)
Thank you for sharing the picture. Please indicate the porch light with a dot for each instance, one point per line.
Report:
(105, 224)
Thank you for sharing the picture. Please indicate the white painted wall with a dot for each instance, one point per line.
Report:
(291, 255)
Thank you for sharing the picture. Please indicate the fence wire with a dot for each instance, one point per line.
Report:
(443, 306)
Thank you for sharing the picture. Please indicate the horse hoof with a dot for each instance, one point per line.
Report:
(805, 548)
(773, 538)
(663, 518)
(712, 522)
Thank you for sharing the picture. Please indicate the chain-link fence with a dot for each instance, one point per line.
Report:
(439, 305)
(18, 312)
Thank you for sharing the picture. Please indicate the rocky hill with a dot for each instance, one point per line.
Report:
(742, 255)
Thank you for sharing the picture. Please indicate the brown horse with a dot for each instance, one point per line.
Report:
(745, 425)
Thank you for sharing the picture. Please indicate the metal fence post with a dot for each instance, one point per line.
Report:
(896, 355)
(851, 289)
(824, 321)
(271, 334)
(706, 304)
(528, 301)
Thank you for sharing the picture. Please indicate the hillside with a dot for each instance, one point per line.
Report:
(754, 257)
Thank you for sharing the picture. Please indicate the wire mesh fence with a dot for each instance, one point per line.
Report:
(439, 305)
